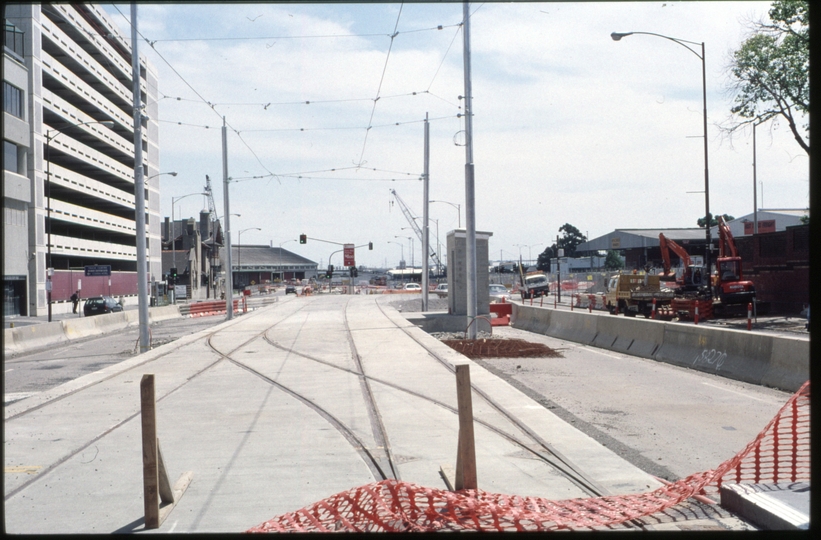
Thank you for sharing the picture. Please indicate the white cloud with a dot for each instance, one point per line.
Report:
(569, 125)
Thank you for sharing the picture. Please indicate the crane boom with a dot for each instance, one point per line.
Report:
(726, 246)
(211, 207)
(412, 220)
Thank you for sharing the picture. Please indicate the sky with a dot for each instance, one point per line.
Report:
(325, 107)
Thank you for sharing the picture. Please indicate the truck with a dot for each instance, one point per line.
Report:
(533, 283)
(633, 294)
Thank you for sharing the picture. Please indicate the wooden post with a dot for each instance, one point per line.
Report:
(156, 486)
(150, 467)
(466, 450)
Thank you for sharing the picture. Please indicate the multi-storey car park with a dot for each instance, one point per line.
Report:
(79, 162)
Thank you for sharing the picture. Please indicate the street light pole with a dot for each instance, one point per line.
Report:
(49, 137)
(239, 247)
(401, 245)
(411, 245)
(684, 43)
(458, 211)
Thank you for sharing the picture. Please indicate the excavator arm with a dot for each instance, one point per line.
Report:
(666, 245)
(726, 245)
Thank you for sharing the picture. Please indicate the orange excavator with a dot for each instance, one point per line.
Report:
(694, 276)
(729, 284)
(692, 287)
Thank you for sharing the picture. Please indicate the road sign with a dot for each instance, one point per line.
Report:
(98, 270)
(348, 255)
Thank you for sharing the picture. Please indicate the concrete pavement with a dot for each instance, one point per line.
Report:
(245, 406)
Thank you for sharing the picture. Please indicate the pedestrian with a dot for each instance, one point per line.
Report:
(75, 300)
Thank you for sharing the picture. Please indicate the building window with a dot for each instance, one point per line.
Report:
(9, 156)
(12, 100)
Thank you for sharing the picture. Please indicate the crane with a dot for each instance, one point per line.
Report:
(412, 220)
(211, 206)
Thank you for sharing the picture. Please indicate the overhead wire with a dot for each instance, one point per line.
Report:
(318, 36)
(381, 80)
(375, 100)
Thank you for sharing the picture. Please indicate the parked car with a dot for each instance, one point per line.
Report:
(498, 293)
(413, 287)
(290, 289)
(97, 305)
(441, 290)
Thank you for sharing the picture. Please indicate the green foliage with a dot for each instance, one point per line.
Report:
(714, 220)
(770, 75)
(805, 220)
(569, 241)
(613, 261)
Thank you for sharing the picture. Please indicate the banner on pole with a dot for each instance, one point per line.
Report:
(348, 255)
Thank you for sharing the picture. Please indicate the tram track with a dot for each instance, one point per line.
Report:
(376, 454)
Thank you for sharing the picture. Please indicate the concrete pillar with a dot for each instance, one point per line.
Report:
(457, 272)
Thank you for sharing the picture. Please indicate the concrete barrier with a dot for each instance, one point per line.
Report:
(163, 313)
(111, 322)
(789, 365)
(33, 336)
(81, 327)
(530, 318)
(573, 326)
(765, 359)
(632, 336)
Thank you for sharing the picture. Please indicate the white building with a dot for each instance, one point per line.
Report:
(80, 201)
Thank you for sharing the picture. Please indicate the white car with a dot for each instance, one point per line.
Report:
(413, 287)
(441, 290)
(498, 292)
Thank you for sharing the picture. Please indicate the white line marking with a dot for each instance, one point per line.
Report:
(770, 401)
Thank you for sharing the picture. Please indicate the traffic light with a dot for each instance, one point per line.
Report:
(303, 239)
(172, 276)
(329, 274)
(370, 246)
(350, 271)
(354, 272)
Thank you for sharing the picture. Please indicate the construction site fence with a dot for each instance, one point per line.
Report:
(779, 454)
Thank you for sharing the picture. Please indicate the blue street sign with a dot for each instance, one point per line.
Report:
(98, 270)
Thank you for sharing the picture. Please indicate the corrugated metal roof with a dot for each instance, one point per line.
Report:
(266, 256)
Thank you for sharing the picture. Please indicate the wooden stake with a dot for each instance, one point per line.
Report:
(466, 450)
(150, 468)
(156, 486)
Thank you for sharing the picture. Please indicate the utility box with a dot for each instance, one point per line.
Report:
(457, 272)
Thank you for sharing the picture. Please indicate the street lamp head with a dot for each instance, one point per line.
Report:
(618, 35)
(172, 173)
(107, 123)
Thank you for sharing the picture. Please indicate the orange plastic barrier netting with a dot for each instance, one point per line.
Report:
(780, 453)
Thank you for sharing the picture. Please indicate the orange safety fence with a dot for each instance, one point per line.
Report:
(780, 453)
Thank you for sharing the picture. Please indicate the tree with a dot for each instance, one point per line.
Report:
(769, 73)
(613, 261)
(714, 220)
(571, 238)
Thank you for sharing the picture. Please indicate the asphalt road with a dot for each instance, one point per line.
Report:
(667, 420)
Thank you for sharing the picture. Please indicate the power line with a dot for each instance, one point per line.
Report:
(317, 36)
(381, 79)
(336, 128)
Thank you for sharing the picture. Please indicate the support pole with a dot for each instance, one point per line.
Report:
(470, 212)
(139, 189)
(425, 220)
(466, 451)
(229, 274)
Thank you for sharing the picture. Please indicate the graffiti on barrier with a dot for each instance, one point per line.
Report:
(711, 357)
